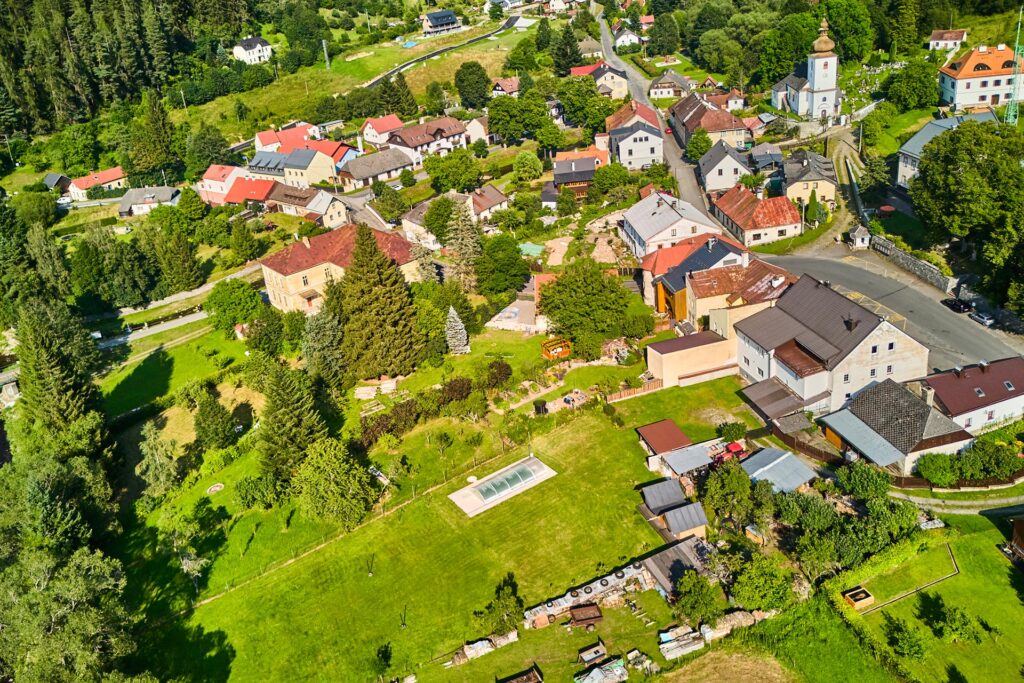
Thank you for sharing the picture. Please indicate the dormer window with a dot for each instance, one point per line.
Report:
(1009, 386)
(979, 392)
(986, 67)
(1008, 64)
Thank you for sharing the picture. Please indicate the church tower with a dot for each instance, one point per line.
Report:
(822, 76)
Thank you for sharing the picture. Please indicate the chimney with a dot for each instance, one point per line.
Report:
(928, 394)
(983, 365)
(572, 165)
(806, 161)
(745, 258)
(423, 119)
(1001, 46)
(827, 283)
(983, 49)
(305, 241)
(851, 324)
(359, 143)
(777, 281)
(712, 241)
(958, 371)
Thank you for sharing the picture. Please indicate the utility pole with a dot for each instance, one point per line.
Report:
(1018, 53)
(7, 139)
(183, 102)
(327, 59)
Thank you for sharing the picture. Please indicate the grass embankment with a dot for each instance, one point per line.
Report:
(990, 494)
(899, 130)
(790, 244)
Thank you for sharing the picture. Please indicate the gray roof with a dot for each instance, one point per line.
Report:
(548, 193)
(619, 134)
(864, 439)
(702, 259)
(896, 414)
(52, 180)
(663, 496)
(588, 46)
(688, 458)
(575, 170)
(796, 80)
(765, 154)
(933, 129)
(668, 565)
(718, 153)
(805, 166)
(658, 211)
(268, 162)
(147, 195)
(785, 471)
(443, 17)
(370, 165)
(672, 78)
(300, 158)
(686, 518)
(604, 68)
(251, 43)
(822, 321)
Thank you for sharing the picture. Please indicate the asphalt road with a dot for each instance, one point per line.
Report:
(953, 339)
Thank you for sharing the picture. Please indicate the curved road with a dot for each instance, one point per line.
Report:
(953, 339)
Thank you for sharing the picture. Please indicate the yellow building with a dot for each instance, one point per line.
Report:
(807, 173)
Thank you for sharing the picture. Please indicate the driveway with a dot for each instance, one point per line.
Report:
(913, 307)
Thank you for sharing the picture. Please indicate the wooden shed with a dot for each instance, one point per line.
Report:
(557, 348)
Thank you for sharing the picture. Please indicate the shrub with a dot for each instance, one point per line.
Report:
(609, 409)
(498, 373)
(587, 346)
(732, 431)
(456, 389)
(638, 326)
(261, 491)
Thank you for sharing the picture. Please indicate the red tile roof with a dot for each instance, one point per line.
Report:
(508, 85)
(748, 212)
(219, 172)
(383, 124)
(982, 62)
(661, 261)
(585, 70)
(663, 436)
(335, 247)
(486, 197)
(646, 190)
(98, 178)
(288, 136)
(248, 190)
(957, 393)
(335, 150)
(628, 112)
(600, 154)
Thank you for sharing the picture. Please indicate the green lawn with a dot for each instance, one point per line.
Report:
(787, 245)
(813, 641)
(930, 565)
(1008, 492)
(909, 228)
(900, 128)
(166, 371)
(432, 567)
(988, 587)
(19, 177)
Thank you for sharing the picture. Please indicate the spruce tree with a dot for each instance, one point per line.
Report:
(178, 264)
(543, 38)
(214, 425)
(405, 102)
(464, 244)
(426, 269)
(322, 346)
(566, 52)
(243, 243)
(289, 425)
(380, 338)
(48, 255)
(455, 333)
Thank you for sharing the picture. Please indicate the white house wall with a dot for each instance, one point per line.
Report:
(907, 360)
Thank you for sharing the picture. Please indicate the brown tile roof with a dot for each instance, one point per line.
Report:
(663, 436)
(295, 196)
(486, 197)
(661, 261)
(744, 209)
(722, 99)
(982, 62)
(628, 112)
(954, 34)
(756, 283)
(508, 85)
(335, 247)
(693, 113)
(977, 386)
(425, 133)
(689, 341)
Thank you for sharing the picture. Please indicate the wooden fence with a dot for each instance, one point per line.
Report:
(647, 387)
(963, 485)
(807, 449)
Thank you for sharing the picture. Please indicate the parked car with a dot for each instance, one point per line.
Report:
(669, 130)
(64, 201)
(982, 318)
(957, 306)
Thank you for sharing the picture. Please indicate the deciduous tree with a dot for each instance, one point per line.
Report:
(698, 601)
(473, 85)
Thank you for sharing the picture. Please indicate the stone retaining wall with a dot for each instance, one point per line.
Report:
(912, 264)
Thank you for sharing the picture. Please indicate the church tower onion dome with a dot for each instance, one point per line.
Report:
(823, 44)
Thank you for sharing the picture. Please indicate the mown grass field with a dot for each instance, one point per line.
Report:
(988, 587)
(432, 566)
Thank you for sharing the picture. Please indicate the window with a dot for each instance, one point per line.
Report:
(967, 423)
(997, 82)
(746, 361)
(984, 84)
(979, 392)
(990, 415)
(1008, 385)
(652, 150)
(982, 98)
(847, 397)
(630, 152)
(846, 378)
(874, 349)
(782, 232)
(807, 186)
(721, 172)
(760, 372)
(756, 237)
(873, 372)
(967, 85)
(305, 281)
(673, 232)
(892, 345)
(888, 369)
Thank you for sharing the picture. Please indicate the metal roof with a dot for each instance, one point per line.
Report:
(620, 134)
(663, 496)
(933, 129)
(785, 471)
(862, 438)
(300, 158)
(686, 518)
(702, 259)
(659, 211)
(689, 458)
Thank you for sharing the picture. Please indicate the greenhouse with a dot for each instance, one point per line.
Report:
(501, 485)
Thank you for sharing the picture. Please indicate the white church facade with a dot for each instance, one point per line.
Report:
(812, 90)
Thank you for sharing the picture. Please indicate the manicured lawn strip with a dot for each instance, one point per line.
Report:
(930, 565)
(552, 648)
(990, 589)
(812, 641)
(787, 245)
(1008, 492)
(696, 409)
(166, 371)
(326, 617)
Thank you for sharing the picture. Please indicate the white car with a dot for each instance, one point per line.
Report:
(65, 201)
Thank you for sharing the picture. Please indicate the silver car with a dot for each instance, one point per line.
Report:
(982, 318)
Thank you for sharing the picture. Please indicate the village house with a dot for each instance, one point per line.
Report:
(505, 86)
(693, 112)
(376, 131)
(441, 21)
(661, 220)
(637, 146)
(109, 179)
(663, 282)
(892, 427)
(625, 37)
(591, 49)
(477, 129)
(249, 192)
(297, 276)
(690, 359)
(368, 169)
(292, 135)
(339, 152)
(610, 82)
(439, 136)
(252, 50)
(947, 39)
(984, 76)
(911, 150)
(815, 349)
(812, 90)
(646, 22)
(670, 85)
(755, 221)
(978, 397)
(481, 202)
(808, 173)
(142, 200)
(719, 298)
(318, 206)
(766, 157)
(721, 167)
(575, 174)
(57, 182)
(213, 187)
(301, 167)
(629, 113)
(729, 101)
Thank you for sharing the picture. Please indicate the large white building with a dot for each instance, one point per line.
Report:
(252, 50)
(984, 76)
(661, 220)
(812, 90)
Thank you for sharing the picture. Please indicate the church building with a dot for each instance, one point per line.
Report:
(812, 90)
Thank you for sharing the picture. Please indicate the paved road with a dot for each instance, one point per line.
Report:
(638, 82)
(144, 332)
(953, 339)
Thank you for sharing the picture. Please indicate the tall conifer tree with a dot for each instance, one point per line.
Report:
(289, 425)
